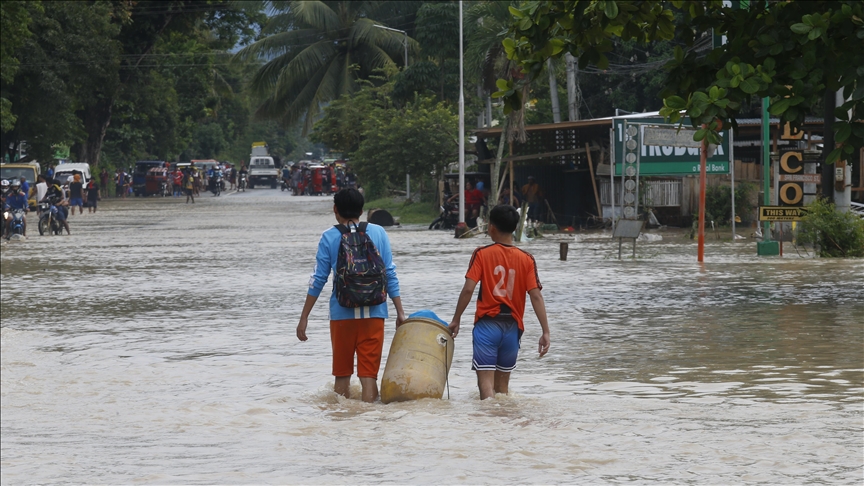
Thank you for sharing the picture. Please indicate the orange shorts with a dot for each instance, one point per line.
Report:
(363, 336)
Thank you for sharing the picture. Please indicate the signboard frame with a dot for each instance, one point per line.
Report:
(668, 160)
(627, 228)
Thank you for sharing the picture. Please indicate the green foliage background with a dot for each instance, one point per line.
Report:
(837, 234)
(718, 205)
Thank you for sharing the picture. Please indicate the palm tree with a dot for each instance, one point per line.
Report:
(487, 23)
(314, 52)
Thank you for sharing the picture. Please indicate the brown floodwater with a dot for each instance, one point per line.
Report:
(156, 345)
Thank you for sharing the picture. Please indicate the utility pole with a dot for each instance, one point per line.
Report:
(766, 247)
(572, 101)
(842, 179)
(461, 226)
(553, 91)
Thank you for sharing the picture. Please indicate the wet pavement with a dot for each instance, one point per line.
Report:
(156, 345)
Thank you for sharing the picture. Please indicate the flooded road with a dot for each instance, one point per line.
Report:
(156, 345)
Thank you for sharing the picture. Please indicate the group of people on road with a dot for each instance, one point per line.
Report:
(64, 196)
(507, 275)
(313, 179)
(190, 180)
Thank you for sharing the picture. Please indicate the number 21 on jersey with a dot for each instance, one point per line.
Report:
(505, 274)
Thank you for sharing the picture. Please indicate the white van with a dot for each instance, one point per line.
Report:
(63, 171)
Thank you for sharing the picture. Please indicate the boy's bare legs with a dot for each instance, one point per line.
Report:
(486, 383)
(492, 382)
(502, 382)
(342, 386)
(370, 388)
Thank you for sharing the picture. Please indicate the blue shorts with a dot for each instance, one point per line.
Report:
(76, 201)
(496, 344)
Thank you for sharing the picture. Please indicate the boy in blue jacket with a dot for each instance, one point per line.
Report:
(357, 330)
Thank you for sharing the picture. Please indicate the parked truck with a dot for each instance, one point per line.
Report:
(262, 168)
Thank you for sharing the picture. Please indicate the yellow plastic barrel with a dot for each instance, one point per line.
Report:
(420, 357)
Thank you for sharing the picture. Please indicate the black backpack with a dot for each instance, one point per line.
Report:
(360, 270)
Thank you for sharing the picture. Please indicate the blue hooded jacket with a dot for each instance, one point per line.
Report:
(325, 264)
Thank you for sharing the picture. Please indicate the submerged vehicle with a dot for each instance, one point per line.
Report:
(16, 226)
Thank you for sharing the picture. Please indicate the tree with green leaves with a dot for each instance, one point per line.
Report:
(136, 79)
(315, 51)
(418, 140)
(14, 22)
(486, 26)
(436, 72)
(61, 69)
(383, 141)
(795, 53)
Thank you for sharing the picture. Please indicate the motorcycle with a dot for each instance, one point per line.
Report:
(284, 184)
(48, 222)
(449, 217)
(216, 185)
(163, 189)
(241, 184)
(16, 227)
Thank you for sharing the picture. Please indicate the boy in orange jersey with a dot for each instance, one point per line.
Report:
(506, 274)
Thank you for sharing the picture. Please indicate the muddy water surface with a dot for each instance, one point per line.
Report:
(156, 345)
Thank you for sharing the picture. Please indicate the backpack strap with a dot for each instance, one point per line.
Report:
(361, 228)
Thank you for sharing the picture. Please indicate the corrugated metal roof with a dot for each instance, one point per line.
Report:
(742, 122)
(548, 126)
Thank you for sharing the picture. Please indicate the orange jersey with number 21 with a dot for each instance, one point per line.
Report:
(505, 274)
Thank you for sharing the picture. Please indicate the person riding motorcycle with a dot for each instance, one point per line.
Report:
(244, 177)
(15, 200)
(214, 176)
(57, 196)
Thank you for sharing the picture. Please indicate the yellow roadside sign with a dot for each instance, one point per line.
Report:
(781, 213)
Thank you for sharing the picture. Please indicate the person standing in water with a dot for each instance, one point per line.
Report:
(93, 196)
(357, 330)
(76, 195)
(189, 185)
(506, 274)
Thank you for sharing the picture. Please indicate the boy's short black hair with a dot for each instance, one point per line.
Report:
(349, 203)
(504, 217)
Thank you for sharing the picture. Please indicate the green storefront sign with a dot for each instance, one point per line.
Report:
(679, 168)
(657, 160)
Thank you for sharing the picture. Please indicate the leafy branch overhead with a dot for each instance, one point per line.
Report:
(790, 52)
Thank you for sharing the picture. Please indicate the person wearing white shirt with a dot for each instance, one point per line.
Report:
(41, 188)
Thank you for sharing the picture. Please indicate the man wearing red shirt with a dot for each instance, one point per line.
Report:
(473, 200)
(506, 274)
(177, 182)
